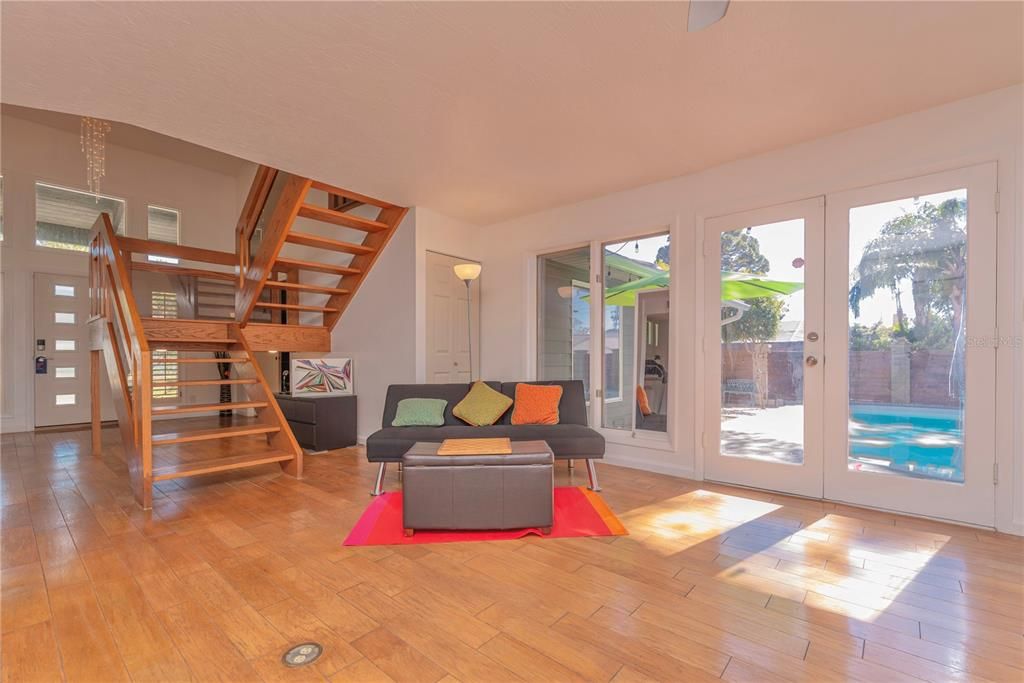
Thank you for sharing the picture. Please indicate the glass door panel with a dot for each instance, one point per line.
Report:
(907, 342)
(762, 326)
(911, 291)
(563, 316)
(635, 370)
(763, 330)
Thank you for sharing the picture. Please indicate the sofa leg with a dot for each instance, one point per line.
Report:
(378, 486)
(592, 474)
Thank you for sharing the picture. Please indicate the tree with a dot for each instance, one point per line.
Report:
(741, 253)
(928, 248)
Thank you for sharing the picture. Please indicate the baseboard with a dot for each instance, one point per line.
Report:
(1015, 528)
(656, 466)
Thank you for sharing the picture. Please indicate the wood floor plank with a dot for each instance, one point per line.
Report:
(30, 655)
(87, 647)
(396, 658)
(23, 594)
(146, 649)
(201, 643)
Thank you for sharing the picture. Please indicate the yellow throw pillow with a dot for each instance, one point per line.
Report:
(482, 405)
(536, 404)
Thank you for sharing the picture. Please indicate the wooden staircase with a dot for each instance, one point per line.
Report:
(268, 300)
(341, 262)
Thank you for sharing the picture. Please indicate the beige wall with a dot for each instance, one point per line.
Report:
(207, 192)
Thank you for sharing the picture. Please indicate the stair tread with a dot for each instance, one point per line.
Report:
(204, 407)
(207, 434)
(203, 382)
(303, 287)
(211, 360)
(319, 267)
(310, 240)
(321, 213)
(198, 467)
(295, 307)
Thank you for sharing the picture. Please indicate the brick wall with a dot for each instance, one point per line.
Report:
(870, 374)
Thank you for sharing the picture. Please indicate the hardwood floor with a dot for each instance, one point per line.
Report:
(712, 582)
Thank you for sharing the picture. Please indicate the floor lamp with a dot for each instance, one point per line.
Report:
(467, 272)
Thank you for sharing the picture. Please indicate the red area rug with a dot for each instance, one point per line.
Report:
(578, 512)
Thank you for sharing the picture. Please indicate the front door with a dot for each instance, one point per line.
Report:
(61, 351)
(911, 346)
(763, 309)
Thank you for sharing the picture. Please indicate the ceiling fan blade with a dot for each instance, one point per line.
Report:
(704, 13)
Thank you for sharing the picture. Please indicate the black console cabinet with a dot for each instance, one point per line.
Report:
(320, 423)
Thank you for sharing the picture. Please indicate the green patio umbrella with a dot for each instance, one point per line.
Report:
(735, 287)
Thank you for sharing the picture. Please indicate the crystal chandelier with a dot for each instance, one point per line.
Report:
(94, 145)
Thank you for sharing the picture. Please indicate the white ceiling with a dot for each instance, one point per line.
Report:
(488, 110)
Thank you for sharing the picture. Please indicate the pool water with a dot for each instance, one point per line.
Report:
(917, 442)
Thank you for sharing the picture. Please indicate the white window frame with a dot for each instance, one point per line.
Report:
(177, 237)
(119, 227)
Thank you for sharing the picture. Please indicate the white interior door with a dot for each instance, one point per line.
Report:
(61, 352)
(448, 315)
(911, 345)
(763, 309)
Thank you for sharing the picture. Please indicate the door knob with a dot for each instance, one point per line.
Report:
(811, 361)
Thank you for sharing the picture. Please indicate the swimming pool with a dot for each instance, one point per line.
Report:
(908, 440)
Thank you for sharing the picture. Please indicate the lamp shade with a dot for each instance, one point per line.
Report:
(467, 271)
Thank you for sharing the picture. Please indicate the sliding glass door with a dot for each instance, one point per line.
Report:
(763, 324)
(603, 317)
(912, 359)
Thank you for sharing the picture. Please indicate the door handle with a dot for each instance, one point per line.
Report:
(811, 361)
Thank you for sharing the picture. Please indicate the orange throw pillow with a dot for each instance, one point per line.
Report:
(536, 404)
(642, 402)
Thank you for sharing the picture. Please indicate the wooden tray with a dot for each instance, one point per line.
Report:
(496, 446)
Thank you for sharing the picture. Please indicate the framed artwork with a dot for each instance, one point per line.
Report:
(321, 376)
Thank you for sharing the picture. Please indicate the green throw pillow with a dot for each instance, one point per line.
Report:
(420, 412)
(482, 406)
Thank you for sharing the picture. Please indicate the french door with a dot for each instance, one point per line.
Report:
(856, 353)
(764, 315)
(910, 311)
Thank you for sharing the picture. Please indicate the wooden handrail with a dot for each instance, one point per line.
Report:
(171, 269)
(156, 248)
(255, 202)
(112, 305)
(284, 211)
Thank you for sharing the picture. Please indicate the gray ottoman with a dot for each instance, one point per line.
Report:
(464, 492)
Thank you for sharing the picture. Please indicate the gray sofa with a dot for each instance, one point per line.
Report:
(569, 440)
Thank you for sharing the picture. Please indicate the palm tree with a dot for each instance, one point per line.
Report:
(929, 248)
